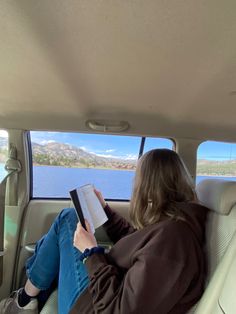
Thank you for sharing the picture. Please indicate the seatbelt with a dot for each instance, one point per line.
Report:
(12, 166)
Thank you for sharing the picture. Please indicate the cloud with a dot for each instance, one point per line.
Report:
(110, 150)
(124, 157)
(3, 134)
(45, 142)
(84, 148)
(131, 157)
(103, 151)
(107, 155)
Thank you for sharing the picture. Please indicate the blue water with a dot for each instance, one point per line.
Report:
(52, 181)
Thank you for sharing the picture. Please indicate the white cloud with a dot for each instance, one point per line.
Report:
(101, 152)
(131, 157)
(45, 142)
(3, 134)
(107, 156)
(110, 150)
(125, 157)
(83, 148)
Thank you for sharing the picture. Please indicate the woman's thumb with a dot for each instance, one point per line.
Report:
(88, 226)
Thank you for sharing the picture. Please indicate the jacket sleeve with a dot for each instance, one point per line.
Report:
(153, 283)
(116, 227)
(141, 290)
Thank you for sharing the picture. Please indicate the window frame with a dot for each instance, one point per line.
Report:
(209, 140)
(30, 150)
(7, 153)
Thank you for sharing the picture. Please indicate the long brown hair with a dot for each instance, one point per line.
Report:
(161, 181)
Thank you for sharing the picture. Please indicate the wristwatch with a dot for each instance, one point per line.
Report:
(89, 252)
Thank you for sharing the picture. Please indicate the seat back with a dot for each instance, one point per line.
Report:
(220, 197)
(219, 296)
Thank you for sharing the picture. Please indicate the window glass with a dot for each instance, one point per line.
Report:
(64, 161)
(3, 153)
(153, 142)
(217, 160)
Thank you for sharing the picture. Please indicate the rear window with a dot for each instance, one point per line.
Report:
(216, 160)
(63, 161)
(3, 153)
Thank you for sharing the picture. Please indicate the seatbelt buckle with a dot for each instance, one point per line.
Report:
(13, 165)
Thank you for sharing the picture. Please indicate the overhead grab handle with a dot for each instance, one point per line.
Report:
(107, 126)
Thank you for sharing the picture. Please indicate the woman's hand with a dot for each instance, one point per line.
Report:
(84, 239)
(100, 197)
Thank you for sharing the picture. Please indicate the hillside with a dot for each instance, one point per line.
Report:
(59, 154)
(216, 168)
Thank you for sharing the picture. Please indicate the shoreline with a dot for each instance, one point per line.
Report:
(216, 175)
(133, 170)
(91, 168)
(122, 169)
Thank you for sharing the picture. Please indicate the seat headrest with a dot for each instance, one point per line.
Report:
(218, 195)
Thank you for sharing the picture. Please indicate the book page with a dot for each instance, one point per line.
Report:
(94, 206)
(85, 209)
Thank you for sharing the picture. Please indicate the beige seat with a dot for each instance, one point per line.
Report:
(51, 305)
(219, 296)
(220, 197)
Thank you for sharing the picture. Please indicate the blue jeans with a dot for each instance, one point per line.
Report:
(56, 257)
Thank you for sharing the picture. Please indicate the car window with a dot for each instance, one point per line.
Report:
(216, 160)
(63, 161)
(3, 153)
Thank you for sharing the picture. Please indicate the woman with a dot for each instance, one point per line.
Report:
(156, 265)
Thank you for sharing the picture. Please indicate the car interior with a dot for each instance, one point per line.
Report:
(145, 69)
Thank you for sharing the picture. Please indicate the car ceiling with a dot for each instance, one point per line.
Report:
(166, 67)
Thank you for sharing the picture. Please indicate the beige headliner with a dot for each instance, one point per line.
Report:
(167, 67)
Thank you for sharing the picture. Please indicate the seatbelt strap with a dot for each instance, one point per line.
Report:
(12, 166)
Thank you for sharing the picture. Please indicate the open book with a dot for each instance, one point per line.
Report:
(88, 206)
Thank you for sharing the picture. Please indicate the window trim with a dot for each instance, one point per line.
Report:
(210, 140)
(141, 149)
(30, 154)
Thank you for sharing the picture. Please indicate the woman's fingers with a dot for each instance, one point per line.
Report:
(88, 226)
(84, 239)
(100, 197)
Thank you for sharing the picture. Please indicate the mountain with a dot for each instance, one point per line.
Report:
(216, 167)
(60, 154)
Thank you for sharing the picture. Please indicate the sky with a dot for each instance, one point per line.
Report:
(102, 145)
(128, 146)
(217, 151)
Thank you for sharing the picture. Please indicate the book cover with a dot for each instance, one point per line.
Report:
(88, 206)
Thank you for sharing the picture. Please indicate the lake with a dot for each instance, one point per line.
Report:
(55, 181)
